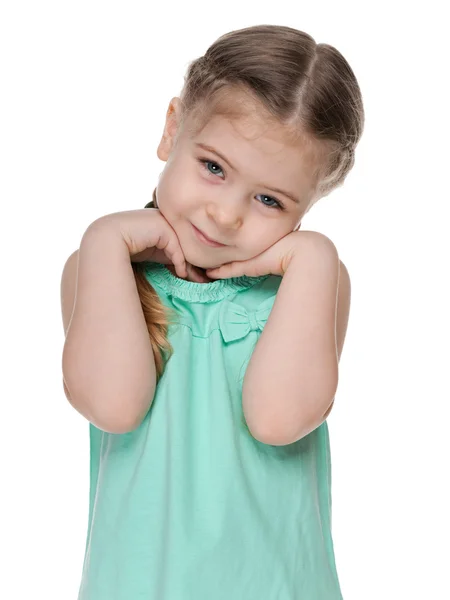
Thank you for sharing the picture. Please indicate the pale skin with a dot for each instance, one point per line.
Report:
(292, 377)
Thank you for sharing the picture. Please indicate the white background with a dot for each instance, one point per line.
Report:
(85, 87)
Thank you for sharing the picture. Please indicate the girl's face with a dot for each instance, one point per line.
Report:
(236, 182)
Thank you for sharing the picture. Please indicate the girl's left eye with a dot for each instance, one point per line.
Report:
(205, 162)
(273, 203)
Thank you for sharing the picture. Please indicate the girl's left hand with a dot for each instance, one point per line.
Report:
(275, 260)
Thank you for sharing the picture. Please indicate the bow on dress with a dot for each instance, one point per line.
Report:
(235, 321)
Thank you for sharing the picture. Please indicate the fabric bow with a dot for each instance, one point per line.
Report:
(235, 321)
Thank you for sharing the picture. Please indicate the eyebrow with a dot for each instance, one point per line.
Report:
(276, 190)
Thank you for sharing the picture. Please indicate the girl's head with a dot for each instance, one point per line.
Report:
(266, 124)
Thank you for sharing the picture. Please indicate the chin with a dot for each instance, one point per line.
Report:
(204, 264)
(202, 260)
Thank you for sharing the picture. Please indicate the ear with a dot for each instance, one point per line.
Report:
(170, 129)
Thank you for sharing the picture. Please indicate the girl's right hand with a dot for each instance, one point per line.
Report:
(149, 237)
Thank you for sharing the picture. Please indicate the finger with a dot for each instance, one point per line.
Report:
(232, 269)
(172, 248)
(194, 274)
(180, 267)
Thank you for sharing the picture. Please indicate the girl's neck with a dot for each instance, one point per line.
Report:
(195, 274)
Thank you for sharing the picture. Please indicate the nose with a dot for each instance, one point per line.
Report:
(227, 215)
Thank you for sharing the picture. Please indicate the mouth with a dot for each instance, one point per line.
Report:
(206, 240)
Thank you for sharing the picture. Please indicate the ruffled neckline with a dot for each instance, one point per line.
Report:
(160, 276)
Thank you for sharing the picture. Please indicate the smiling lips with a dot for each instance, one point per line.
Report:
(206, 240)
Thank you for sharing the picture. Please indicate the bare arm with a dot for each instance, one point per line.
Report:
(108, 364)
(292, 376)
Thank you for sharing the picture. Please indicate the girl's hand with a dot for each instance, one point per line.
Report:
(275, 260)
(149, 237)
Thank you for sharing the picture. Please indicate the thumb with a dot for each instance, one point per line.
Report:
(235, 269)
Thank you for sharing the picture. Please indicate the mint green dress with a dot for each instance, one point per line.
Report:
(190, 506)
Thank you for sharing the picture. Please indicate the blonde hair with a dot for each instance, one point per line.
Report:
(307, 87)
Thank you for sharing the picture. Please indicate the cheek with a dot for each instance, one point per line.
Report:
(264, 233)
(168, 194)
(256, 240)
(175, 194)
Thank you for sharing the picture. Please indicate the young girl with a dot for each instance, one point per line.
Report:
(203, 341)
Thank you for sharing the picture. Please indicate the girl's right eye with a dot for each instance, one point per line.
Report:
(205, 162)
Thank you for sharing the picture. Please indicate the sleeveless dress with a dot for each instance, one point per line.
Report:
(190, 506)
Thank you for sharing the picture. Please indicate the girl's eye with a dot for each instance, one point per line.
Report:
(206, 162)
(215, 168)
(276, 204)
